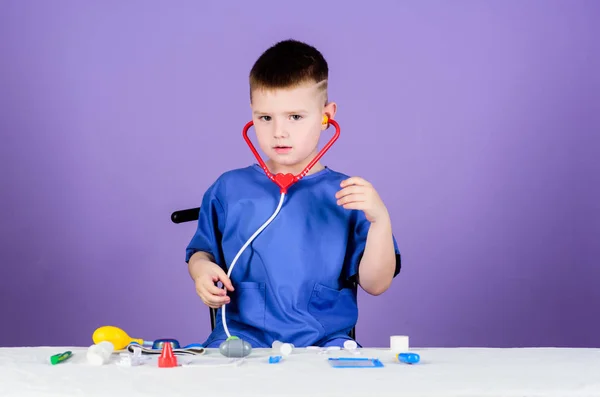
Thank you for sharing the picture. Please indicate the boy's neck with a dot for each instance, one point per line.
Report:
(295, 169)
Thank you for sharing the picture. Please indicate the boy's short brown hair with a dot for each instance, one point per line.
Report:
(287, 64)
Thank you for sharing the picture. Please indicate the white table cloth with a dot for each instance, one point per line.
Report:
(26, 372)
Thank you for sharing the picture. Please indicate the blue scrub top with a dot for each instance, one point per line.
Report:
(292, 283)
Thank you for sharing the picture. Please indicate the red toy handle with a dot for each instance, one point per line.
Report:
(284, 181)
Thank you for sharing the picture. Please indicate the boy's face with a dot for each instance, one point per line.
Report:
(288, 124)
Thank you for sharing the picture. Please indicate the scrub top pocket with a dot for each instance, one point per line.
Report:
(335, 310)
(250, 298)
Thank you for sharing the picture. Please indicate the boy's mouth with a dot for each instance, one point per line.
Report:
(280, 149)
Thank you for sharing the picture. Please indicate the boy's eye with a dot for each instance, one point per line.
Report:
(266, 118)
(296, 117)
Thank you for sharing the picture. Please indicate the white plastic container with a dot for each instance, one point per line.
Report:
(284, 348)
(99, 354)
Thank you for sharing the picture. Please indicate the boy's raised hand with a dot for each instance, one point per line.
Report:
(210, 294)
(358, 194)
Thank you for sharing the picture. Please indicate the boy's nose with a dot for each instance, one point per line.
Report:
(279, 131)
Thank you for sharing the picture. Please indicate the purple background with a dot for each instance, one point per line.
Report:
(485, 116)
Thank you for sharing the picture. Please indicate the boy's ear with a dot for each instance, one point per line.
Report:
(329, 111)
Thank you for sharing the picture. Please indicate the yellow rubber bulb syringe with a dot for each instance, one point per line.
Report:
(116, 336)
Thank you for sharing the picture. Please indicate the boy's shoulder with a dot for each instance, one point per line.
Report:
(336, 175)
(236, 180)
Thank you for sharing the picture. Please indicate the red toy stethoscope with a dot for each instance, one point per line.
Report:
(233, 346)
(284, 181)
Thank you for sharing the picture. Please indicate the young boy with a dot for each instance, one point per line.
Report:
(294, 282)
